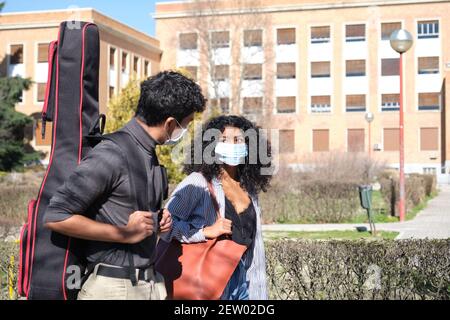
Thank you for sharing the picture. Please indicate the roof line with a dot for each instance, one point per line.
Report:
(286, 8)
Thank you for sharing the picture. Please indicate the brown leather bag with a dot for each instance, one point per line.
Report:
(198, 271)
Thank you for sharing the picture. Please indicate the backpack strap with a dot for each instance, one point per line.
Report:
(138, 182)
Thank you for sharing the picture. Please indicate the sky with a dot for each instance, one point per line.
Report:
(135, 13)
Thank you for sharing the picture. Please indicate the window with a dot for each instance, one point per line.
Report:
(355, 68)
(388, 28)
(124, 62)
(188, 41)
(429, 101)
(355, 103)
(41, 92)
(43, 52)
(286, 36)
(355, 140)
(147, 70)
(428, 29)
(355, 32)
(320, 104)
(38, 133)
(221, 72)
(285, 104)
(252, 71)
(320, 69)
(112, 58)
(220, 39)
(321, 140)
(111, 91)
(391, 138)
(390, 102)
(136, 65)
(286, 70)
(390, 67)
(222, 103)
(429, 139)
(428, 65)
(320, 34)
(253, 38)
(252, 105)
(287, 141)
(191, 72)
(16, 54)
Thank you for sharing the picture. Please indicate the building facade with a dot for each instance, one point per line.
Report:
(314, 68)
(24, 40)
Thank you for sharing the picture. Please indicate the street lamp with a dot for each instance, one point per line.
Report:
(369, 118)
(401, 41)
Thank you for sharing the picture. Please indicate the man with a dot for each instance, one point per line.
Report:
(96, 203)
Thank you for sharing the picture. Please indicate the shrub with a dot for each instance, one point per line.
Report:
(417, 188)
(8, 269)
(325, 190)
(348, 269)
(387, 269)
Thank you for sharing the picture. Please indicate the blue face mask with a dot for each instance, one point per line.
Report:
(230, 153)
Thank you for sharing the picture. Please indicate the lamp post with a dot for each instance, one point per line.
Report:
(401, 41)
(369, 118)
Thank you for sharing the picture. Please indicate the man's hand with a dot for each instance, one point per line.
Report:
(140, 226)
(166, 221)
(220, 227)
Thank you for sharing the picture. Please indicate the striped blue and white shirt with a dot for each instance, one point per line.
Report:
(192, 209)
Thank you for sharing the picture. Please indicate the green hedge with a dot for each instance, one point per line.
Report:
(302, 269)
(387, 269)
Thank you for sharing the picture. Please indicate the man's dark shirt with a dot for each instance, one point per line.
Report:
(99, 189)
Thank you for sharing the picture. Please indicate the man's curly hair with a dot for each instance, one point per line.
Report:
(168, 94)
(249, 175)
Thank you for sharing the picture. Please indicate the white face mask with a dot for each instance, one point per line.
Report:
(171, 141)
(231, 154)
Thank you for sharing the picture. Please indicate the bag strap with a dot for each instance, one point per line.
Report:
(212, 193)
(137, 182)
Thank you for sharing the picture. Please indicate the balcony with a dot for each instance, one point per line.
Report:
(286, 53)
(112, 77)
(253, 54)
(188, 57)
(252, 88)
(320, 86)
(40, 73)
(286, 87)
(221, 56)
(320, 51)
(17, 70)
(219, 89)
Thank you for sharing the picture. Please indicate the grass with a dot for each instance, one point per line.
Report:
(381, 213)
(326, 235)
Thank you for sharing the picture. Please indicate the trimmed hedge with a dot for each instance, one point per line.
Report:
(305, 269)
(310, 201)
(387, 269)
(417, 188)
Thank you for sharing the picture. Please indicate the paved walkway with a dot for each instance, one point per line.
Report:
(433, 222)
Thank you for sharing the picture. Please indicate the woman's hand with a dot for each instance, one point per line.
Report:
(220, 227)
(166, 221)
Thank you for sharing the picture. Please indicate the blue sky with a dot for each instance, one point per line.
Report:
(136, 13)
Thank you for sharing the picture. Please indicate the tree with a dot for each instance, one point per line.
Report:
(223, 65)
(13, 150)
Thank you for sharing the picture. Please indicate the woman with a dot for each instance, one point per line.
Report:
(236, 182)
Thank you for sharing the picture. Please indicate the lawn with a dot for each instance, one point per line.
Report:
(326, 235)
(381, 213)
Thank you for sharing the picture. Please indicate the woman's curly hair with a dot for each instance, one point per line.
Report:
(250, 176)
